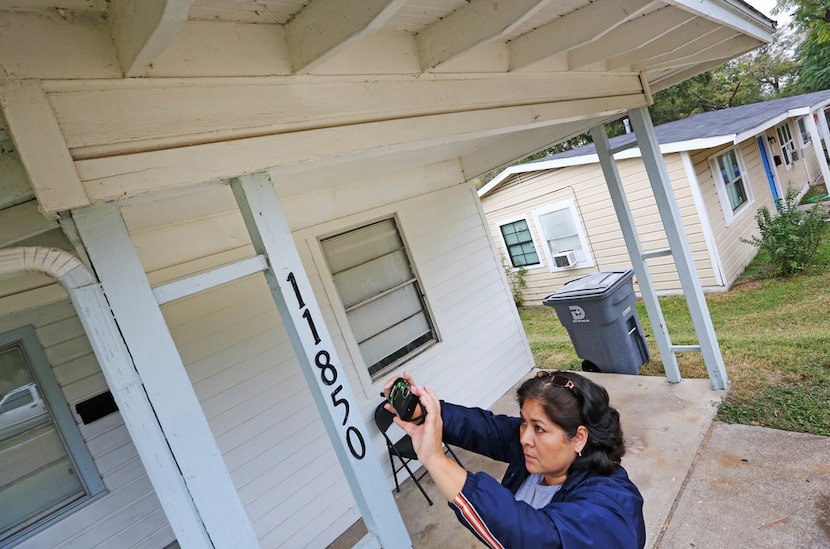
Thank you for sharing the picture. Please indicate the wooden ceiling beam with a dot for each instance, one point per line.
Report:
(682, 36)
(730, 48)
(476, 23)
(132, 174)
(574, 29)
(690, 48)
(629, 36)
(142, 29)
(324, 28)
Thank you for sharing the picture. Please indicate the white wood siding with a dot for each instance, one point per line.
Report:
(523, 193)
(129, 514)
(243, 368)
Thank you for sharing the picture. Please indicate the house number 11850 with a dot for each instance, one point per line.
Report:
(328, 375)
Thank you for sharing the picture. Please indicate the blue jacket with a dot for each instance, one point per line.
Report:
(590, 510)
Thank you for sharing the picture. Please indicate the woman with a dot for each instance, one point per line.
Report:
(564, 485)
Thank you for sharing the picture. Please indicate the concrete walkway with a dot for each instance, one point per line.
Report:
(705, 484)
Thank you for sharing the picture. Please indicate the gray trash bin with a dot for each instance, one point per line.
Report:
(598, 312)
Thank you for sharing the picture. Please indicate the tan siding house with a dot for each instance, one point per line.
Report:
(716, 218)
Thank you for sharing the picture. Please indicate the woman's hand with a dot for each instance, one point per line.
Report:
(427, 437)
(427, 441)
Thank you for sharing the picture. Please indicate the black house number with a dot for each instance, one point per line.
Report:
(328, 375)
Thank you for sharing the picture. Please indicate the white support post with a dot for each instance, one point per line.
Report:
(162, 372)
(681, 252)
(812, 129)
(318, 358)
(635, 252)
(136, 411)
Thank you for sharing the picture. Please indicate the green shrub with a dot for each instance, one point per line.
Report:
(516, 279)
(791, 237)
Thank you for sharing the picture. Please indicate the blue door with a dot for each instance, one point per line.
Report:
(767, 168)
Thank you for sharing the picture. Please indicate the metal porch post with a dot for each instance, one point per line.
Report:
(635, 252)
(162, 373)
(679, 245)
(297, 305)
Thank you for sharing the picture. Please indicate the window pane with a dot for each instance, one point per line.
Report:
(736, 193)
(375, 281)
(375, 316)
(37, 477)
(519, 244)
(372, 277)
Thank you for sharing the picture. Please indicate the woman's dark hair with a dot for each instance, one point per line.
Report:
(571, 400)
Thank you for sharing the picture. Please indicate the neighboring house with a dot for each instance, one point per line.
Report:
(554, 217)
(234, 220)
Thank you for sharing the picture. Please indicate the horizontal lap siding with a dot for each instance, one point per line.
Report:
(735, 255)
(586, 184)
(245, 373)
(129, 514)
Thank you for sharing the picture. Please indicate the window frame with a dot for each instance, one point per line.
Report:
(787, 146)
(509, 221)
(66, 426)
(346, 326)
(803, 133)
(581, 233)
(729, 213)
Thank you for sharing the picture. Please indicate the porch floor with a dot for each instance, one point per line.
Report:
(705, 483)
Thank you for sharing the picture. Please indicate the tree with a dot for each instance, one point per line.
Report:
(811, 19)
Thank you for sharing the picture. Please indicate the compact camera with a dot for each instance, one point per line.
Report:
(404, 402)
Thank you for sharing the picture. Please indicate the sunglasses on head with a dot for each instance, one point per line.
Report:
(558, 380)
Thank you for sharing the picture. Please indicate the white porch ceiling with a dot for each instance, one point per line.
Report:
(146, 93)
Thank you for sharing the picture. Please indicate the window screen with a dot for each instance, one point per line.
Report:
(380, 292)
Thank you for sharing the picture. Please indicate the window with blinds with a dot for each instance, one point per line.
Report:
(381, 294)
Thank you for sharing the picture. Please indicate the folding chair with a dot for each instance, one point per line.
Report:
(402, 449)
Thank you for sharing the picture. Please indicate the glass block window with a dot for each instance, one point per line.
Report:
(519, 243)
(381, 294)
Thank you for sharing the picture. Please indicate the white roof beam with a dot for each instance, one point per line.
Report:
(142, 29)
(664, 81)
(629, 36)
(326, 27)
(573, 29)
(476, 23)
(728, 48)
(131, 174)
(682, 36)
(689, 49)
(735, 14)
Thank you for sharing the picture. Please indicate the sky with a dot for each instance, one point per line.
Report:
(765, 6)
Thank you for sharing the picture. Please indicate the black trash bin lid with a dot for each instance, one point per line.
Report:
(594, 285)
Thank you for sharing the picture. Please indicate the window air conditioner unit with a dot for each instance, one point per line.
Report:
(564, 259)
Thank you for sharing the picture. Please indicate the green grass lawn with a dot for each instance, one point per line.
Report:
(774, 335)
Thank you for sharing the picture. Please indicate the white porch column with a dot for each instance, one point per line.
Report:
(679, 244)
(812, 129)
(122, 379)
(635, 252)
(297, 305)
(162, 372)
